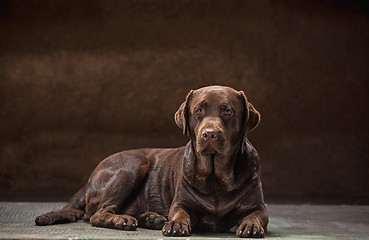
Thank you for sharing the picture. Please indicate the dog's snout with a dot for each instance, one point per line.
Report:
(209, 134)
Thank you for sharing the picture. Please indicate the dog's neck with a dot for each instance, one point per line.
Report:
(206, 172)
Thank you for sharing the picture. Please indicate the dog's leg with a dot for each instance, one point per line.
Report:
(72, 212)
(112, 187)
(179, 222)
(152, 220)
(254, 225)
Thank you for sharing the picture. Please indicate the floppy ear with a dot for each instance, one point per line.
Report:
(182, 116)
(251, 116)
(254, 118)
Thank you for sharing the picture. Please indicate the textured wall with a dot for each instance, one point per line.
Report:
(80, 80)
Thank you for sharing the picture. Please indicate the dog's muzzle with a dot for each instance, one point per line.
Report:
(210, 137)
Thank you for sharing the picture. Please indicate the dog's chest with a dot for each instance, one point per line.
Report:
(216, 211)
(217, 202)
(212, 205)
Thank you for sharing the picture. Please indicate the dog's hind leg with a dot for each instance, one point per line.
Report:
(72, 212)
(113, 186)
(152, 220)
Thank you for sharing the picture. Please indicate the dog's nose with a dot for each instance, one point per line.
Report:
(209, 134)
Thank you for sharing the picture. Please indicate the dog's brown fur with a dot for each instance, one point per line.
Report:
(211, 184)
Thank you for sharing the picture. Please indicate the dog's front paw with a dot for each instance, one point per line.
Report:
(176, 229)
(249, 229)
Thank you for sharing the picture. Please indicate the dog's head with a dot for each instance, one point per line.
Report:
(216, 118)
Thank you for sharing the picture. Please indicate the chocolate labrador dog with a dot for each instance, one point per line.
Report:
(211, 184)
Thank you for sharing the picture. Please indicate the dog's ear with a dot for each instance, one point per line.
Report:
(254, 118)
(251, 117)
(182, 115)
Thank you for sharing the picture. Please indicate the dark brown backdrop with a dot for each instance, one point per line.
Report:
(80, 80)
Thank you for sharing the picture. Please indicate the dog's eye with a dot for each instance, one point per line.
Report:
(199, 111)
(228, 112)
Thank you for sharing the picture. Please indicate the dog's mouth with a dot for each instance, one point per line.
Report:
(209, 150)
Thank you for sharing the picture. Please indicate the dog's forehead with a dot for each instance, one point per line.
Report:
(225, 95)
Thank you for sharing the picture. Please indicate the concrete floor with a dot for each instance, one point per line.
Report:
(286, 222)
